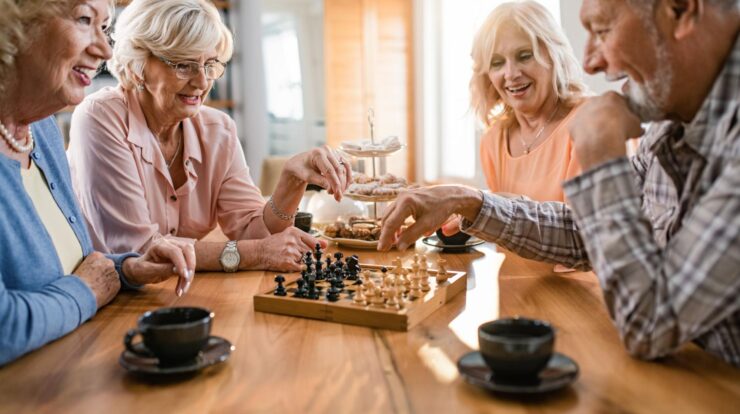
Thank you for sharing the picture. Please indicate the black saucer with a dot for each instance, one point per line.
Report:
(560, 372)
(216, 350)
(434, 241)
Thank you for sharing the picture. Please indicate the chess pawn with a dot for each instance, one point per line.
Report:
(397, 266)
(414, 269)
(425, 282)
(406, 281)
(391, 300)
(359, 298)
(442, 274)
(378, 299)
(399, 287)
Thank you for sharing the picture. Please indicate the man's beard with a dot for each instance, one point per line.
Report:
(649, 100)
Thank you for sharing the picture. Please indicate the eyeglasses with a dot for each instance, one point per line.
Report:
(187, 70)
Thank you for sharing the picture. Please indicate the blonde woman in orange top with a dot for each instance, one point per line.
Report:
(526, 84)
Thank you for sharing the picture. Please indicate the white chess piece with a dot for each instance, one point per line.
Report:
(359, 296)
(442, 274)
(391, 298)
(424, 274)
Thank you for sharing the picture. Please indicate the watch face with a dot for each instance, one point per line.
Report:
(230, 260)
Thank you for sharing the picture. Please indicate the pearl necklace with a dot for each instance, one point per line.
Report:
(528, 147)
(14, 143)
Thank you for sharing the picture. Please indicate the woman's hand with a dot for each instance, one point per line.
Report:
(164, 258)
(99, 273)
(323, 167)
(283, 252)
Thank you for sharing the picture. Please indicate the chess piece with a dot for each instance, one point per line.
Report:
(397, 265)
(301, 291)
(338, 259)
(280, 289)
(359, 298)
(399, 291)
(332, 294)
(390, 298)
(424, 274)
(312, 292)
(442, 274)
(378, 298)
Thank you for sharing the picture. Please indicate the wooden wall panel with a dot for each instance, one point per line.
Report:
(369, 64)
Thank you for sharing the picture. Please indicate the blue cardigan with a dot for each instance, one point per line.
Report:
(38, 303)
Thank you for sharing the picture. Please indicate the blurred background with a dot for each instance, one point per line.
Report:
(306, 72)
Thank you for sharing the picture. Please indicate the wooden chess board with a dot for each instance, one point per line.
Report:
(345, 310)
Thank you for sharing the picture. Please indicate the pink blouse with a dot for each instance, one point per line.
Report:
(124, 187)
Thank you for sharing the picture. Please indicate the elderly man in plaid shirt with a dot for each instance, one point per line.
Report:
(660, 229)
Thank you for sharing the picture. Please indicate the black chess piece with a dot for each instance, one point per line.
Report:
(353, 267)
(332, 294)
(338, 259)
(312, 293)
(280, 289)
(301, 291)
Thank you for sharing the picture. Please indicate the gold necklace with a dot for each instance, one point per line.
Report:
(528, 147)
(174, 157)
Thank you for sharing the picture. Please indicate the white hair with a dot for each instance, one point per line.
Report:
(537, 23)
(172, 29)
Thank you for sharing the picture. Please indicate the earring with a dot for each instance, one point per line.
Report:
(140, 87)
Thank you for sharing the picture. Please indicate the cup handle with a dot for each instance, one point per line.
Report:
(133, 348)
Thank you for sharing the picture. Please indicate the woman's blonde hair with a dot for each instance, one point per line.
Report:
(537, 23)
(172, 29)
(20, 23)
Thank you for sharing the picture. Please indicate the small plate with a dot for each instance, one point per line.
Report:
(371, 153)
(217, 350)
(560, 372)
(372, 198)
(354, 243)
(434, 241)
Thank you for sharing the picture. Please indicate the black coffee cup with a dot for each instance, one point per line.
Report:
(516, 348)
(303, 220)
(457, 239)
(172, 335)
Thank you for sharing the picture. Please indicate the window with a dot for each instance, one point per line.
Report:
(282, 67)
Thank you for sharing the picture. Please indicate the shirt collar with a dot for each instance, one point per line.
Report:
(140, 135)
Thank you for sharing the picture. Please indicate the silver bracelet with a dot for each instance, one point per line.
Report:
(281, 215)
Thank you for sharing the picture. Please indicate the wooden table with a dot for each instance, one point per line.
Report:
(284, 364)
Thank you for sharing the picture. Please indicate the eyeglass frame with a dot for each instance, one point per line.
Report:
(204, 66)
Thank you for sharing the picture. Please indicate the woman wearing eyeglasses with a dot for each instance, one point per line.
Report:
(148, 160)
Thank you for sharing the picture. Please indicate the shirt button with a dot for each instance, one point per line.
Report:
(72, 219)
(172, 231)
(52, 185)
(173, 198)
(36, 155)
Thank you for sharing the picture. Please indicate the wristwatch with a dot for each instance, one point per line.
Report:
(230, 257)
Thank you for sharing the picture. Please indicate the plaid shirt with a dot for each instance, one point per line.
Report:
(661, 230)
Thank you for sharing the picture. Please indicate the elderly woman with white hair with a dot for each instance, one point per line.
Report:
(51, 279)
(149, 160)
(525, 86)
